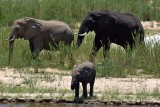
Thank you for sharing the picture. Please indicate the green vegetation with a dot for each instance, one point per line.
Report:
(119, 63)
(142, 61)
(72, 11)
(55, 93)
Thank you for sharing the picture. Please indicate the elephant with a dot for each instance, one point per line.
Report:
(111, 27)
(41, 34)
(84, 73)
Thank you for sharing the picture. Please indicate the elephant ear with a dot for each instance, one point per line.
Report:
(88, 72)
(33, 28)
(103, 15)
(94, 16)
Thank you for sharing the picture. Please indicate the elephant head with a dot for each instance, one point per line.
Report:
(75, 78)
(91, 22)
(88, 24)
(23, 28)
(80, 73)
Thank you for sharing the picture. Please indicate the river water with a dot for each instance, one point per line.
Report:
(60, 105)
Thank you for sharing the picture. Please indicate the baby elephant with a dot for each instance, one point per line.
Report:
(84, 73)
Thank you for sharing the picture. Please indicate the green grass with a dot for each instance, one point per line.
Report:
(72, 11)
(56, 93)
(119, 63)
(141, 61)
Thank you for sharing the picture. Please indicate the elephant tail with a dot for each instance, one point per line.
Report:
(142, 35)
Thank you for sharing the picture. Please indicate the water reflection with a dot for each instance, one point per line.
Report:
(60, 105)
(14, 105)
(51, 105)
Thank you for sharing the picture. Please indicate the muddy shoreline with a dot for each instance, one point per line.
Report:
(51, 101)
(113, 91)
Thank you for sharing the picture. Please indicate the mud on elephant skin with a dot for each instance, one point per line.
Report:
(111, 27)
(41, 34)
(84, 73)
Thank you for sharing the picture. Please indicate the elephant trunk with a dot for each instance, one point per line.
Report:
(11, 44)
(73, 84)
(82, 32)
(79, 41)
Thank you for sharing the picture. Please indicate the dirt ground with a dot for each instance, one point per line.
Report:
(10, 76)
(151, 25)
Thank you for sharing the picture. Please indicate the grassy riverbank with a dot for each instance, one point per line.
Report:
(19, 80)
(72, 11)
(141, 61)
(55, 84)
(119, 64)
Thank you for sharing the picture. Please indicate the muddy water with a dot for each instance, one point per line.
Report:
(61, 105)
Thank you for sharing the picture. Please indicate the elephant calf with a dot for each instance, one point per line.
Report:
(41, 34)
(84, 73)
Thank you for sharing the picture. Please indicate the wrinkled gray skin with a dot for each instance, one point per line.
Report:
(84, 73)
(41, 34)
(111, 27)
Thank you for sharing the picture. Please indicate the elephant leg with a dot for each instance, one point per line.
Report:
(128, 46)
(91, 88)
(77, 91)
(31, 48)
(84, 85)
(133, 44)
(96, 46)
(106, 47)
(35, 47)
(130, 43)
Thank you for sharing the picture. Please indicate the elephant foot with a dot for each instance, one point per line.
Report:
(91, 95)
(84, 97)
(76, 99)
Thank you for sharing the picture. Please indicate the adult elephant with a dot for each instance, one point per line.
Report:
(41, 34)
(111, 27)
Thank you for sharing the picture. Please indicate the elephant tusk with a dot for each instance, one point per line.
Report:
(75, 33)
(12, 39)
(82, 34)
